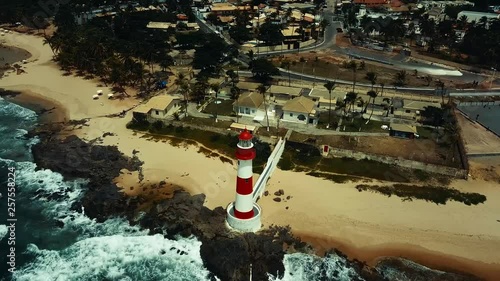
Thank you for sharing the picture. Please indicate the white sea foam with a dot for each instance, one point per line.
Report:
(18, 112)
(306, 267)
(118, 258)
(3, 231)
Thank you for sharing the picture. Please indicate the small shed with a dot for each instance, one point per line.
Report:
(404, 131)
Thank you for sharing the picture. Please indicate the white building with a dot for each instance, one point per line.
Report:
(476, 16)
(300, 110)
(158, 107)
(248, 104)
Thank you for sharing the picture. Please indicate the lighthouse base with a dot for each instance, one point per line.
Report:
(252, 224)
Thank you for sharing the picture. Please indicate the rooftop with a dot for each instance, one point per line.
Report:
(403, 128)
(419, 105)
(300, 104)
(275, 89)
(250, 99)
(160, 102)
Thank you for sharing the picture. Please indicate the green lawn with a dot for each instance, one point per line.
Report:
(308, 159)
(359, 125)
(223, 108)
(323, 120)
(223, 143)
(425, 133)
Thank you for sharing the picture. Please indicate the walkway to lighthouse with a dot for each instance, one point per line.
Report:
(272, 161)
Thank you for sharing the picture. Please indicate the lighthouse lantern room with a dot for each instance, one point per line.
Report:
(243, 214)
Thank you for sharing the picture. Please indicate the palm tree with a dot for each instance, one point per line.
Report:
(372, 77)
(233, 76)
(329, 86)
(323, 24)
(183, 85)
(215, 87)
(262, 90)
(353, 67)
(382, 89)
(350, 99)
(400, 78)
(440, 85)
(373, 95)
(286, 64)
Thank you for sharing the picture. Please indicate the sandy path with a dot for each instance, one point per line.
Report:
(368, 225)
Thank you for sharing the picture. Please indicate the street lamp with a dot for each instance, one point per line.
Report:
(493, 78)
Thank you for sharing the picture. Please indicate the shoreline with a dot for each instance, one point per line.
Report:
(154, 158)
(431, 259)
(48, 110)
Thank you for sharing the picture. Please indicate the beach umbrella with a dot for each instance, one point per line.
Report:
(110, 96)
(95, 97)
(99, 92)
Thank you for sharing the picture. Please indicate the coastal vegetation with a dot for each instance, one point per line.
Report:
(307, 158)
(224, 144)
(430, 193)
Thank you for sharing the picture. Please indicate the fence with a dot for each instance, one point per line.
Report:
(272, 161)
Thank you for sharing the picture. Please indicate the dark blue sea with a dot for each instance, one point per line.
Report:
(81, 249)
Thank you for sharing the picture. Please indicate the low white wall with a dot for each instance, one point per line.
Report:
(272, 161)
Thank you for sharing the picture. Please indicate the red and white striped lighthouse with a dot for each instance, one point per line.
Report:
(243, 205)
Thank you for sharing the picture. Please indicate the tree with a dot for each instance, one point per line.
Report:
(262, 90)
(353, 67)
(215, 87)
(183, 85)
(400, 78)
(372, 77)
(210, 56)
(233, 76)
(382, 89)
(349, 100)
(329, 86)
(262, 70)
(323, 24)
(373, 95)
(271, 34)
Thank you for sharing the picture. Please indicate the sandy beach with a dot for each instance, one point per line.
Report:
(43, 78)
(364, 225)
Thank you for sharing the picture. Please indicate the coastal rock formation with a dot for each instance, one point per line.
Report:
(226, 254)
(74, 158)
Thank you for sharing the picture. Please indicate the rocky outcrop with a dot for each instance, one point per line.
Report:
(74, 158)
(226, 254)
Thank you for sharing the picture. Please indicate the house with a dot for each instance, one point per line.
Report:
(248, 103)
(158, 107)
(402, 131)
(227, 9)
(371, 3)
(437, 14)
(477, 16)
(412, 110)
(284, 93)
(300, 110)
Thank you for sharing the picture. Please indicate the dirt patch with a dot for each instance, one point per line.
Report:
(476, 138)
(422, 150)
(485, 168)
(332, 66)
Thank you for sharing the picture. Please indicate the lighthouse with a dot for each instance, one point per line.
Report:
(243, 214)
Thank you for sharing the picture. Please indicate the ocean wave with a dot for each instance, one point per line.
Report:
(3, 231)
(19, 114)
(305, 267)
(118, 258)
